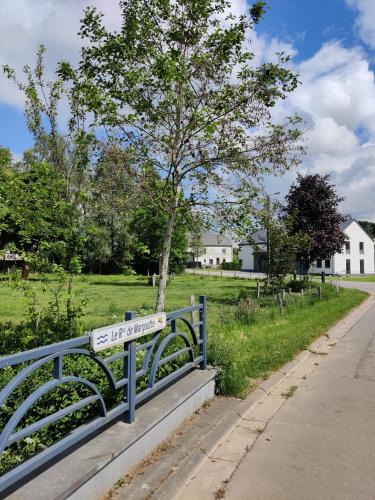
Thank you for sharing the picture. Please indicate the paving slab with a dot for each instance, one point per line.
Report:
(315, 419)
(321, 442)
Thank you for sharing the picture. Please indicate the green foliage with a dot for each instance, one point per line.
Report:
(231, 266)
(283, 250)
(298, 285)
(369, 227)
(312, 207)
(178, 90)
(226, 355)
(148, 225)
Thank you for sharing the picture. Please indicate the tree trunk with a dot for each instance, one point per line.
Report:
(164, 259)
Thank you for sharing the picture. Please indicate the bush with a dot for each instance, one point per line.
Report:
(296, 285)
(247, 309)
(231, 266)
(226, 356)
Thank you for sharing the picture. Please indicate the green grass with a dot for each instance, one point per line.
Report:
(244, 348)
(368, 278)
(265, 346)
(108, 297)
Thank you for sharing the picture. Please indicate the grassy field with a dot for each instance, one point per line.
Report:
(368, 278)
(244, 347)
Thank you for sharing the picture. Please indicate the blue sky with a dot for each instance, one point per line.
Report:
(307, 24)
(332, 42)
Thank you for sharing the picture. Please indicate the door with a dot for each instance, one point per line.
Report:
(348, 266)
(362, 266)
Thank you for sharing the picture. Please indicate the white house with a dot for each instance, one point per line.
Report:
(253, 255)
(356, 257)
(213, 249)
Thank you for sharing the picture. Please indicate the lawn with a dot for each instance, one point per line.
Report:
(108, 297)
(245, 347)
(368, 278)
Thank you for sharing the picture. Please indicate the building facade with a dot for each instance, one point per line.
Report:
(212, 251)
(356, 257)
(253, 256)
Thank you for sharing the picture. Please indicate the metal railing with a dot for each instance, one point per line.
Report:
(149, 356)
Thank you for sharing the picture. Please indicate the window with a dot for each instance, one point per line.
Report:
(211, 262)
(361, 247)
(224, 260)
(362, 266)
(319, 263)
(347, 246)
(217, 260)
(327, 263)
(348, 270)
(224, 250)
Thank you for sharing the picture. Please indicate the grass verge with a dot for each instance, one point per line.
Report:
(245, 345)
(252, 351)
(360, 279)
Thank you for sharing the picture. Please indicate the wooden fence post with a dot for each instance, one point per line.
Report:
(258, 290)
(194, 314)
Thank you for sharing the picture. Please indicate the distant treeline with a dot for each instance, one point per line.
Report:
(369, 227)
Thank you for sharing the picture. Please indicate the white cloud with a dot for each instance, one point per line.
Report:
(338, 82)
(337, 99)
(333, 139)
(366, 19)
(25, 24)
(337, 95)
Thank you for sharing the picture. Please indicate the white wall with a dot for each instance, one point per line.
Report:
(355, 235)
(328, 270)
(216, 254)
(246, 256)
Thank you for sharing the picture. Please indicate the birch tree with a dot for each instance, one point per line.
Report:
(177, 86)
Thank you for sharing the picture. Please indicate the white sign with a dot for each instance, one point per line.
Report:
(112, 335)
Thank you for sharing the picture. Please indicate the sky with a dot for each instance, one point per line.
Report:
(332, 43)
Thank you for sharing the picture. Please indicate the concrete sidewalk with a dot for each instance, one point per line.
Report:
(315, 433)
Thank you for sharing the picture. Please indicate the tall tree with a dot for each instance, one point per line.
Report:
(112, 201)
(34, 216)
(312, 205)
(67, 152)
(148, 225)
(63, 152)
(177, 85)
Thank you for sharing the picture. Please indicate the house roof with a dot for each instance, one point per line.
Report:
(346, 224)
(256, 238)
(214, 240)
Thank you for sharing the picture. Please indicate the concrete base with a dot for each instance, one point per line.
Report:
(89, 471)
